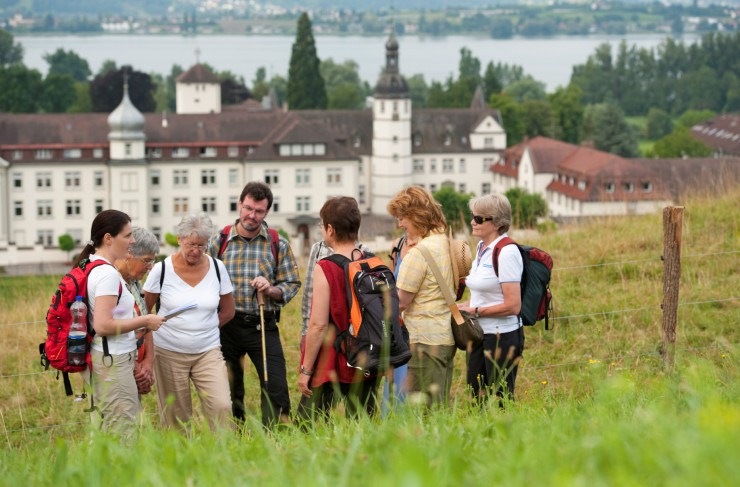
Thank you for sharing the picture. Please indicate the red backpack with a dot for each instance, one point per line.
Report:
(536, 295)
(59, 318)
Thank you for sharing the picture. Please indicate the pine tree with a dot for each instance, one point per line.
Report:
(306, 88)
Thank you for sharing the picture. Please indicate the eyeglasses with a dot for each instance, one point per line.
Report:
(259, 212)
(147, 262)
(189, 246)
(320, 224)
(481, 219)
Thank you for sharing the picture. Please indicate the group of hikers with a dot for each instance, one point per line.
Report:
(218, 300)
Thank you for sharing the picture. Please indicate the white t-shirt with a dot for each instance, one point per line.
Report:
(485, 287)
(105, 280)
(195, 330)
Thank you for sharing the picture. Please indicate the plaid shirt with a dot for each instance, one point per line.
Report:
(319, 250)
(246, 259)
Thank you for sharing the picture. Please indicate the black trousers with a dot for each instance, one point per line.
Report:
(242, 336)
(358, 397)
(492, 364)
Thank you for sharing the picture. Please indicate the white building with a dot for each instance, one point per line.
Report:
(57, 171)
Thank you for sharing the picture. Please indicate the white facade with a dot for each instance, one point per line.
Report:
(198, 97)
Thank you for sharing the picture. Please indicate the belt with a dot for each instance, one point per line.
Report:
(255, 319)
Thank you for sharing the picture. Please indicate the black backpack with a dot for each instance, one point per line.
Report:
(536, 295)
(372, 301)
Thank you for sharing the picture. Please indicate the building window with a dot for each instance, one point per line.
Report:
(208, 152)
(98, 206)
(334, 176)
(463, 168)
(628, 187)
(417, 166)
(395, 157)
(73, 207)
(17, 155)
(76, 235)
(582, 185)
(208, 177)
(432, 166)
(488, 142)
(284, 150)
(45, 237)
(17, 209)
(308, 149)
(462, 188)
(129, 182)
(272, 177)
(432, 188)
(17, 180)
(154, 152)
(44, 208)
(44, 154)
(233, 151)
(72, 153)
(485, 188)
(156, 206)
(98, 153)
(233, 177)
(360, 166)
(302, 177)
(180, 152)
(157, 231)
(72, 180)
(234, 203)
(361, 194)
(647, 186)
(417, 140)
(356, 141)
(447, 165)
(275, 204)
(448, 139)
(98, 179)
(208, 204)
(43, 180)
(302, 203)
(319, 149)
(154, 178)
(180, 206)
(180, 177)
(609, 187)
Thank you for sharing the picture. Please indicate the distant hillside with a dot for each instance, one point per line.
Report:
(85, 7)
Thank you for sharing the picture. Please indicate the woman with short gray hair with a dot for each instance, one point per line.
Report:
(196, 294)
(495, 299)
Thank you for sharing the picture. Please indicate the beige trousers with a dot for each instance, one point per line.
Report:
(115, 393)
(174, 371)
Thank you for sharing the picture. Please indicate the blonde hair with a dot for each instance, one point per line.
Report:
(418, 205)
(495, 205)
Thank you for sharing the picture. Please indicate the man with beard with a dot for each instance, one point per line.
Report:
(256, 265)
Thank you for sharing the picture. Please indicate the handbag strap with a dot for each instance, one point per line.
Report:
(446, 292)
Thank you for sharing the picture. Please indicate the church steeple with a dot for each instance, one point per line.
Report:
(391, 84)
(126, 123)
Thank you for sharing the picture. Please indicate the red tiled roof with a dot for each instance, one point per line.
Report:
(198, 74)
(722, 133)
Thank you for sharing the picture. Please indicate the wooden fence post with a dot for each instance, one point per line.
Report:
(672, 234)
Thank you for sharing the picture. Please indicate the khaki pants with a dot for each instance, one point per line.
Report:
(430, 371)
(207, 371)
(114, 391)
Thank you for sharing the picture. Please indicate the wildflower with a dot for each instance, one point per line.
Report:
(594, 361)
(544, 382)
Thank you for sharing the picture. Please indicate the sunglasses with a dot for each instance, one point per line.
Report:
(481, 219)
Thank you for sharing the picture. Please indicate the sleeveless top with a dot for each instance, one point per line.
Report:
(330, 365)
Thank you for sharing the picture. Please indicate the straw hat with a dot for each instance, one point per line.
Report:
(462, 258)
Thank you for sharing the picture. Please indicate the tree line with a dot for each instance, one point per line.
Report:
(658, 86)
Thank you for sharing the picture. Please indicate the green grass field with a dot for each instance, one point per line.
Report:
(594, 404)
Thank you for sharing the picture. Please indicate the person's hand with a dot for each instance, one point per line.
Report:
(303, 381)
(465, 307)
(153, 322)
(261, 284)
(144, 377)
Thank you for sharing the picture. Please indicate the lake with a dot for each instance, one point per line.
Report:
(547, 59)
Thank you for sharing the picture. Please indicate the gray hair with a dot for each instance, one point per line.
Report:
(495, 205)
(146, 242)
(195, 224)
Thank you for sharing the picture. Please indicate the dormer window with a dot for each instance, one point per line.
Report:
(582, 185)
(647, 186)
(609, 187)
(356, 141)
(448, 139)
(417, 140)
(628, 187)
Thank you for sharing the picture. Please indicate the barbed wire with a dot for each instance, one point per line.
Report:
(639, 261)
(629, 310)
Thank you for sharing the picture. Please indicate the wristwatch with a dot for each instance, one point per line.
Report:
(476, 314)
(306, 372)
